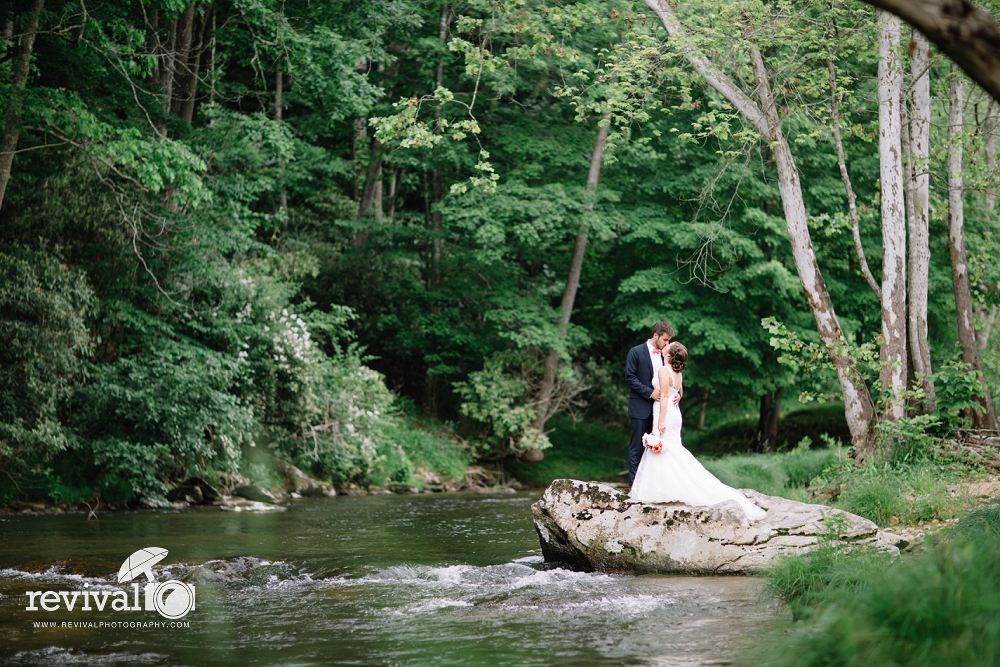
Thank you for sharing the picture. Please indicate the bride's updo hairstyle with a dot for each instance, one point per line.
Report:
(678, 357)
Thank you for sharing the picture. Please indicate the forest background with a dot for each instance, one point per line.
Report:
(381, 239)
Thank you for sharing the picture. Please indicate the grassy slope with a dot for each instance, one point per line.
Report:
(941, 607)
(580, 450)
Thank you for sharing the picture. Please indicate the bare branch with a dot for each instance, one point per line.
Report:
(851, 198)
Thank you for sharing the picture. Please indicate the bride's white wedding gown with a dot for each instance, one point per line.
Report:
(675, 475)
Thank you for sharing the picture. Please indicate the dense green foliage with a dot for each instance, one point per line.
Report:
(863, 608)
(238, 225)
(737, 434)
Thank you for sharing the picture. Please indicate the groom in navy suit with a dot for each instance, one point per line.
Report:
(641, 365)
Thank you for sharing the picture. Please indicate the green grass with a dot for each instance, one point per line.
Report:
(908, 493)
(858, 607)
(580, 450)
(911, 493)
(407, 444)
(804, 581)
(785, 474)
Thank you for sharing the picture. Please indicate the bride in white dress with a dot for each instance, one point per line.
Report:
(668, 472)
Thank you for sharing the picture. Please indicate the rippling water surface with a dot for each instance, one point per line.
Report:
(389, 580)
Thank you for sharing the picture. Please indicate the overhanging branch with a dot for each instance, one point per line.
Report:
(962, 31)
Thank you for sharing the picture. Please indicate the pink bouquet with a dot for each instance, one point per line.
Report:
(652, 442)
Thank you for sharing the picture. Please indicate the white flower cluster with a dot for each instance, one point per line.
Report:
(291, 338)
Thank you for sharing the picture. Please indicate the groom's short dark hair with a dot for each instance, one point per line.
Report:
(661, 328)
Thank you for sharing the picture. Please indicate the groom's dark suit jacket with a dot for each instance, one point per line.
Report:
(639, 378)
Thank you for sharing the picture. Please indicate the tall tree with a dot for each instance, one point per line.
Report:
(573, 278)
(918, 266)
(991, 152)
(985, 417)
(12, 127)
(434, 381)
(765, 119)
(894, 319)
(181, 59)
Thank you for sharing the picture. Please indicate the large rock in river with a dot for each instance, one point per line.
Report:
(590, 526)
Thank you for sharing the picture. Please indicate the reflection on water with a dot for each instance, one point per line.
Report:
(395, 580)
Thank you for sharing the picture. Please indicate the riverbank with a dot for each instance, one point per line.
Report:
(911, 497)
(848, 606)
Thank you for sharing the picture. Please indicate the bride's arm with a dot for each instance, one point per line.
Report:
(664, 376)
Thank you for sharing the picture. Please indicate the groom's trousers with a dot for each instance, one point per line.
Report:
(640, 427)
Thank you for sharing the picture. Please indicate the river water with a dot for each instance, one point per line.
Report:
(422, 580)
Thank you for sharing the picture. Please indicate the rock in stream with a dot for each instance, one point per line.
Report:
(590, 526)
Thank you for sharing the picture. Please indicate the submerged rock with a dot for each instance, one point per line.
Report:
(294, 480)
(195, 491)
(230, 504)
(318, 492)
(254, 492)
(590, 526)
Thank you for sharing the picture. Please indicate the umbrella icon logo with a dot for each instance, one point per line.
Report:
(172, 599)
(141, 562)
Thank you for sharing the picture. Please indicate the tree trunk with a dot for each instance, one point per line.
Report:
(358, 140)
(168, 62)
(991, 153)
(893, 351)
(377, 190)
(573, 279)
(919, 235)
(434, 216)
(279, 105)
(432, 386)
(852, 207)
(189, 91)
(965, 33)
(766, 436)
(857, 401)
(185, 41)
(911, 378)
(991, 201)
(373, 176)
(988, 321)
(12, 129)
(211, 88)
(394, 185)
(181, 68)
(986, 418)
(703, 409)
(437, 190)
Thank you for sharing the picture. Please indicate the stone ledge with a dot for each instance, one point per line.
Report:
(590, 526)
